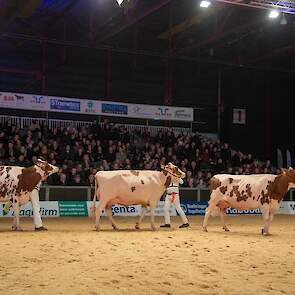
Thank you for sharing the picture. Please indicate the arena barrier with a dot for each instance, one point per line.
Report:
(82, 209)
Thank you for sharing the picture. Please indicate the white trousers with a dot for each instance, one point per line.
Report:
(36, 208)
(173, 199)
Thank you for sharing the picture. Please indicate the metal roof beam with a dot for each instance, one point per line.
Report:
(132, 20)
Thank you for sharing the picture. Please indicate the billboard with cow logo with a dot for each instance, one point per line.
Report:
(94, 107)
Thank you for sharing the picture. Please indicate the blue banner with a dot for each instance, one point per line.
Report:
(64, 105)
(199, 208)
(194, 208)
(111, 108)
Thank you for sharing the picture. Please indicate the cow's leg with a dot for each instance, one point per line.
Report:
(110, 216)
(142, 214)
(153, 226)
(98, 213)
(209, 210)
(16, 223)
(266, 220)
(222, 218)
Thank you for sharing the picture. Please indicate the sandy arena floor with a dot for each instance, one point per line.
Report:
(71, 258)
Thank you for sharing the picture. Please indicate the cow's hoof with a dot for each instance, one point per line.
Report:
(115, 227)
(226, 228)
(17, 229)
(205, 229)
(97, 228)
(154, 228)
(137, 226)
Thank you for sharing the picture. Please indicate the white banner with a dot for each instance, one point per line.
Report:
(135, 210)
(47, 209)
(287, 208)
(239, 116)
(93, 107)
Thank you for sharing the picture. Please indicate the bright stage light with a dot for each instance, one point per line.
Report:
(273, 14)
(205, 3)
(120, 2)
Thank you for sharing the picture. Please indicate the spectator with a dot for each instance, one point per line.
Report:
(81, 152)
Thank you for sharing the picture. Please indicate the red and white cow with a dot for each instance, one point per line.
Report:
(129, 187)
(246, 192)
(17, 184)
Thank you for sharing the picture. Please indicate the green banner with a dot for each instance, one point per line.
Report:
(72, 208)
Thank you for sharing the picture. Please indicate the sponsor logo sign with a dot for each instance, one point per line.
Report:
(72, 208)
(159, 211)
(163, 112)
(117, 109)
(236, 211)
(194, 208)
(118, 210)
(37, 99)
(90, 107)
(47, 209)
(94, 107)
(287, 208)
(182, 114)
(64, 105)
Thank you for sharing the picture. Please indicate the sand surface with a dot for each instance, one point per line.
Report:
(71, 258)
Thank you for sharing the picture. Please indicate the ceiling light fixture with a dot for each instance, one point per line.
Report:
(205, 3)
(273, 14)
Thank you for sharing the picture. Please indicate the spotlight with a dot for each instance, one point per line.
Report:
(283, 20)
(120, 2)
(205, 3)
(126, 3)
(273, 14)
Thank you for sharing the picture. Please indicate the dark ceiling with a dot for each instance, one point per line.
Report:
(94, 48)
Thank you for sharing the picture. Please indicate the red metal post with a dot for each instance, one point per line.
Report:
(109, 75)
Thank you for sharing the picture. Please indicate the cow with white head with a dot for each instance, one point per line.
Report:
(130, 187)
(17, 184)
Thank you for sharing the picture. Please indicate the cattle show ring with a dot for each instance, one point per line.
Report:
(146, 147)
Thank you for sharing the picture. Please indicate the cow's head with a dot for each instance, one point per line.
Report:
(175, 173)
(45, 169)
(290, 176)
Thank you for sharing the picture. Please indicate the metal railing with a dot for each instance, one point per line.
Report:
(24, 122)
(85, 193)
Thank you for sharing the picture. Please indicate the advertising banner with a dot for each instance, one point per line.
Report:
(47, 209)
(94, 107)
(118, 210)
(287, 208)
(72, 208)
(160, 210)
(199, 208)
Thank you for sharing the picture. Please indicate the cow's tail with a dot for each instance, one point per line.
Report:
(93, 208)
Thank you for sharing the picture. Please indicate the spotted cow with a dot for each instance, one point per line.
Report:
(129, 187)
(17, 184)
(246, 192)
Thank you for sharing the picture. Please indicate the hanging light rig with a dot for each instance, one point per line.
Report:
(126, 3)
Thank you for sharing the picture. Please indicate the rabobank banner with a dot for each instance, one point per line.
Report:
(93, 107)
(199, 208)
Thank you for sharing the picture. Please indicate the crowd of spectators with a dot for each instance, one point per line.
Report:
(81, 152)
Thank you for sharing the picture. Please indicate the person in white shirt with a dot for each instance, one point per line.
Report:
(172, 197)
